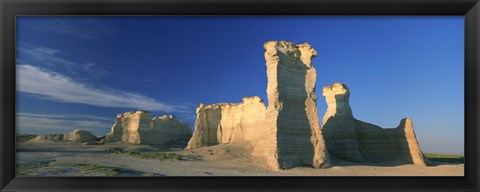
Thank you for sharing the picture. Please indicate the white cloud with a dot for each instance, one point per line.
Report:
(45, 125)
(60, 26)
(70, 116)
(150, 80)
(44, 55)
(40, 115)
(88, 28)
(58, 87)
(51, 58)
(46, 50)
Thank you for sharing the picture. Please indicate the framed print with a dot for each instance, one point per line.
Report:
(150, 95)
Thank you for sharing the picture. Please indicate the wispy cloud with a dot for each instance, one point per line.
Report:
(46, 50)
(52, 58)
(46, 125)
(54, 86)
(44, 55)
(84, 28)
(150, 80)
(40, 115)
(70, 116)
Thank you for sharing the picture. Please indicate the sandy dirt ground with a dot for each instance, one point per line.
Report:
(68, 159)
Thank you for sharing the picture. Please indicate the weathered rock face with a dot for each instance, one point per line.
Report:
(292, 112)
(138, 127)
(79, 136)
(228, 122)
(168, 129)
(286, 133)
(339, 127)
(349, 139)
(406, 127)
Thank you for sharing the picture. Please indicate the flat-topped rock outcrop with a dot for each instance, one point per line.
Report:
(47, 138)
(138, 127)
(76, 136)
(79, 136)
(223, 123)
(349, 139)
(286, 133)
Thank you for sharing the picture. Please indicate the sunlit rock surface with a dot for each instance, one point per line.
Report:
(349, 139)
(76, 136)
(228, 122)
(292, 112)
(47, 138)
(79, 136)
(138, 127)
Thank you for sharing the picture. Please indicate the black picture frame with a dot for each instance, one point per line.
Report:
(11, 8)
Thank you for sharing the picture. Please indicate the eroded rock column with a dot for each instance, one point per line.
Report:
(292, 113)
(339, 127)
(337, 97)
(206, 126)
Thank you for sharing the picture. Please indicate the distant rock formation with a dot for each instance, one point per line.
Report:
(286, 133)
(76, 136)
(49, 138)
(349, 139)
(138, 127)
(79, 136)
(21, 138)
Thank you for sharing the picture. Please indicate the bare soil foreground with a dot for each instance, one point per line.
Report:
(71, 159)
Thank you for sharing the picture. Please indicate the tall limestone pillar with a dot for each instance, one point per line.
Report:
(292, 112)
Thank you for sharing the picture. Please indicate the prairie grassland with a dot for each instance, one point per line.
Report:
(446, 158)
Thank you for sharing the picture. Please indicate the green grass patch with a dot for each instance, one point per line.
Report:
(24, 169)
(153, 155)
(447, 158)
(117, 150)
(87, 169)
(156, 155)
(92, 168)
(20, 138)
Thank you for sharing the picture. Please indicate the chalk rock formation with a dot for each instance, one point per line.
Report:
(79, 136)
(286, 133)
(49, 138)
(292, 119)
(138, 127)
(349, 139)
(228, 122)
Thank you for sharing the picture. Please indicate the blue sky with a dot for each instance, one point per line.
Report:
(79, 72)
